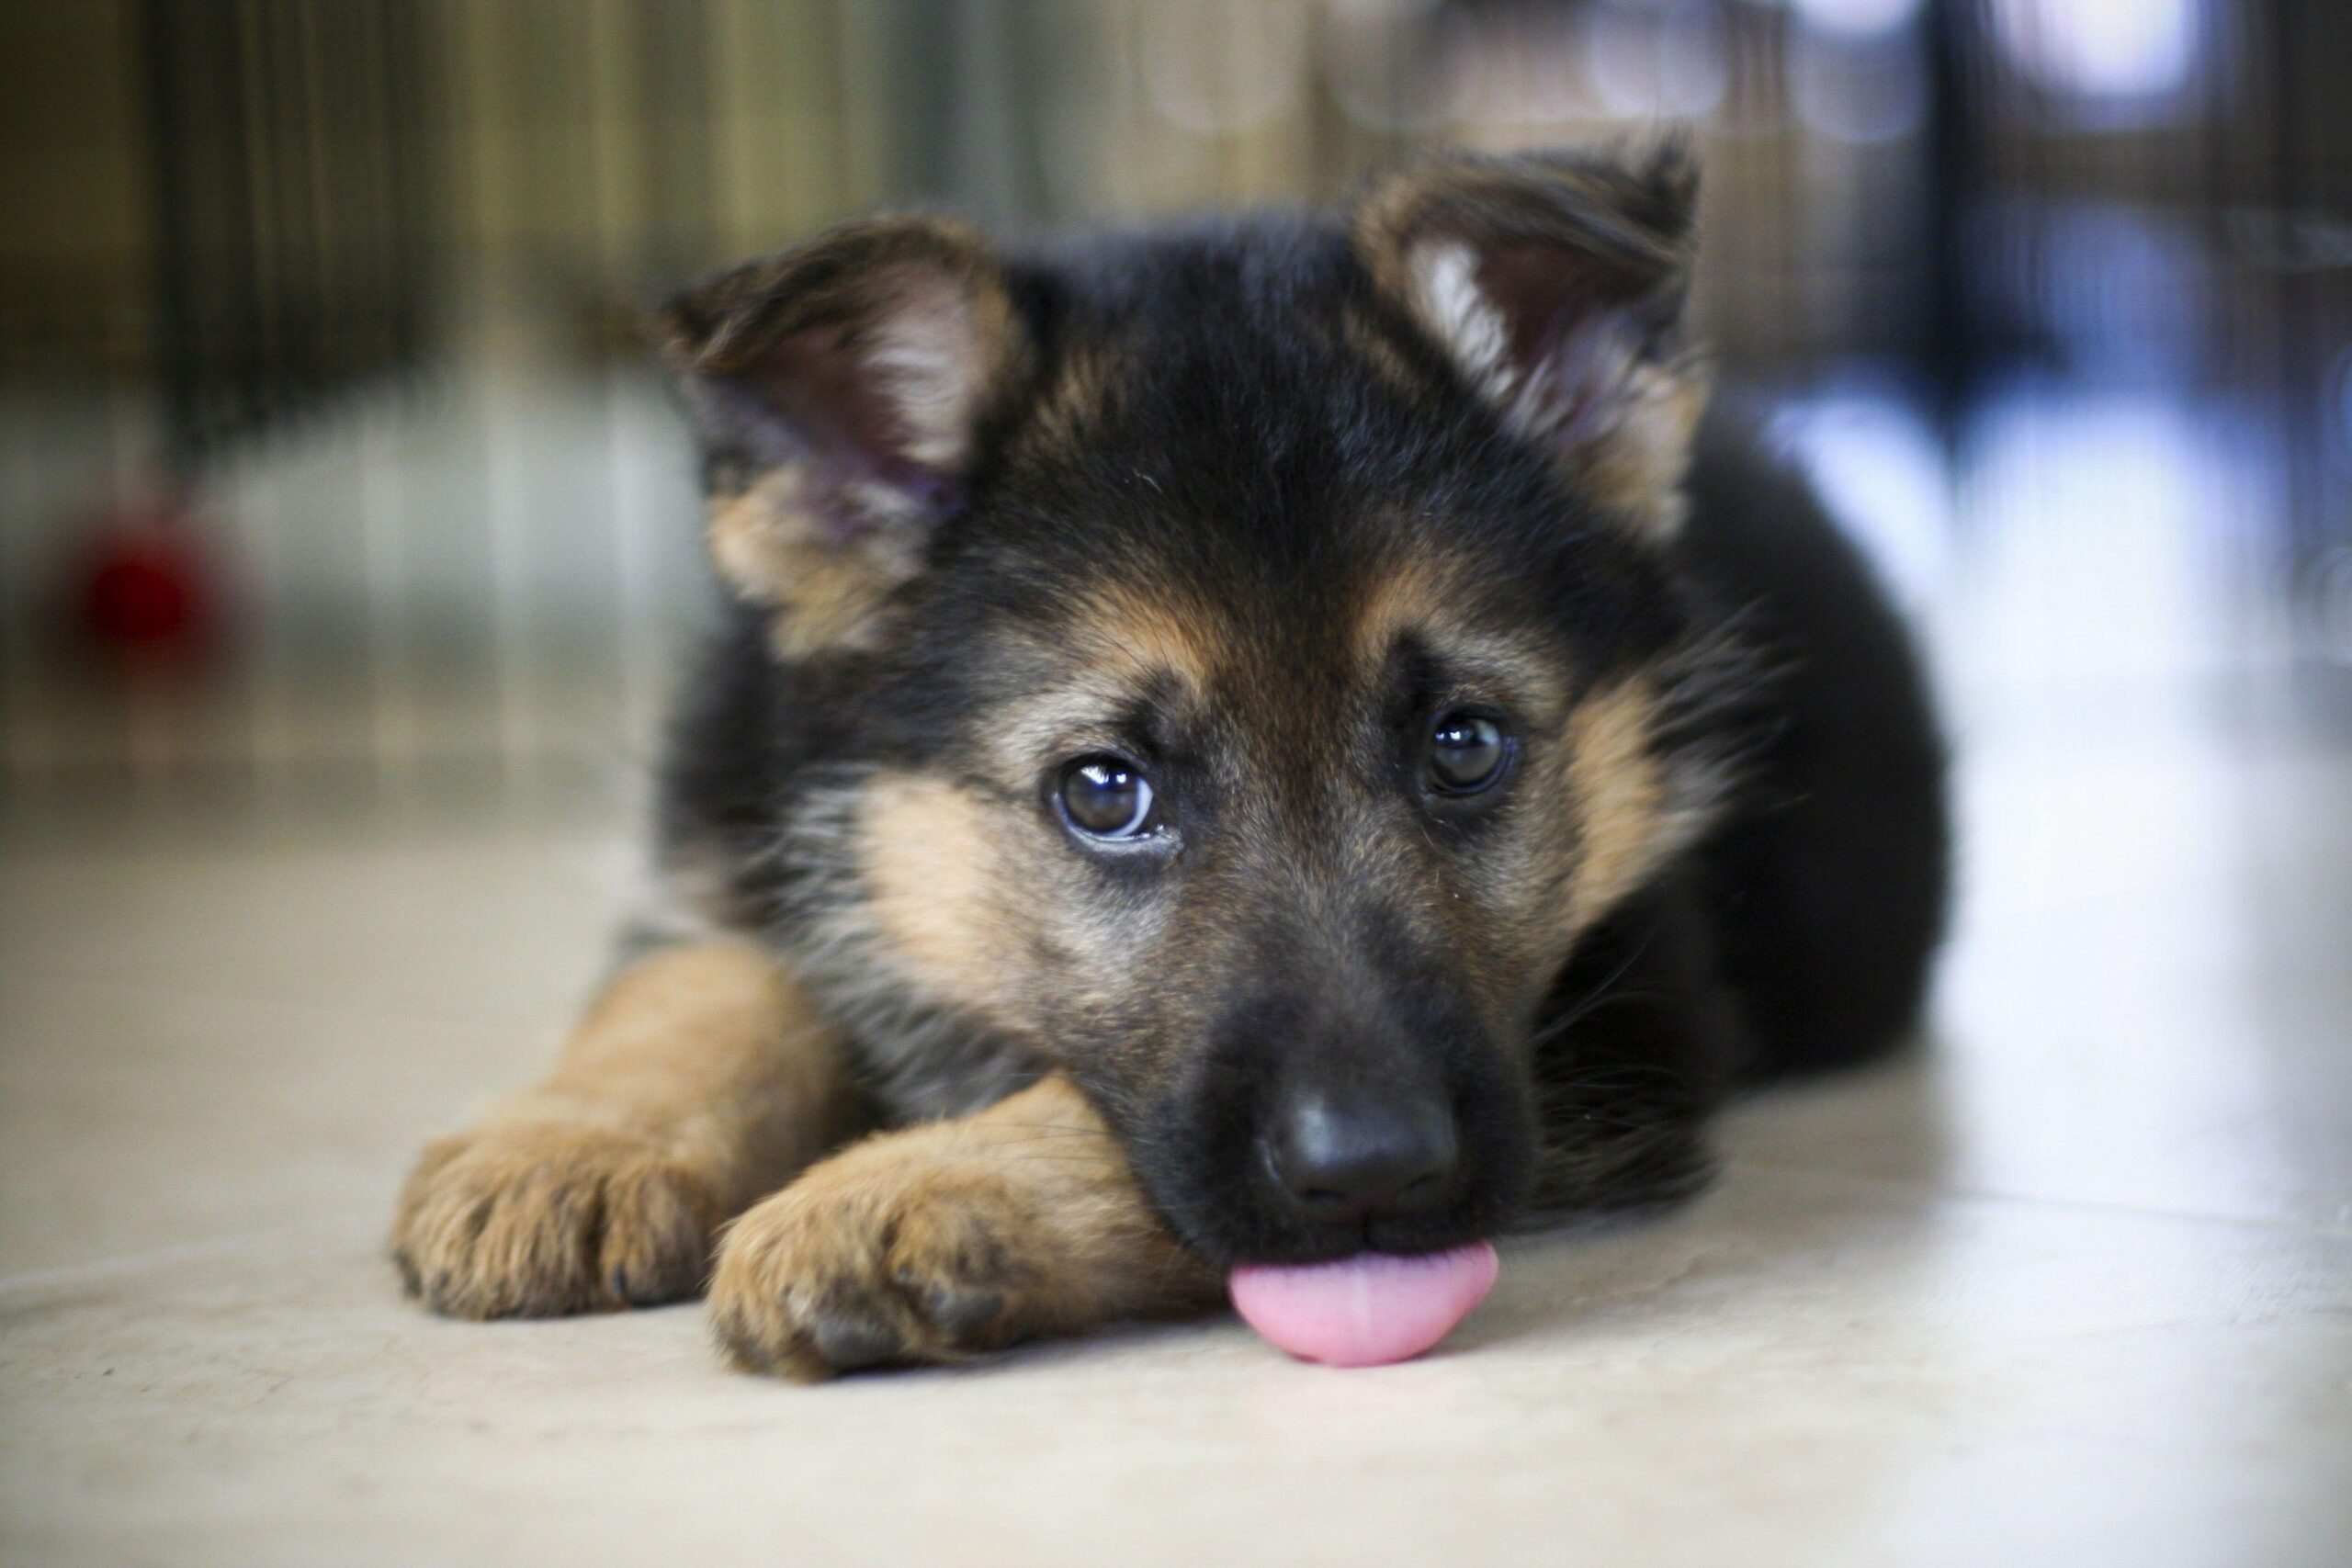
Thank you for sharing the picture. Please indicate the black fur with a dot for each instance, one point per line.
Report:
(1829, 887)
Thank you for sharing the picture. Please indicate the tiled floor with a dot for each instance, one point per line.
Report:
(2074, 1285)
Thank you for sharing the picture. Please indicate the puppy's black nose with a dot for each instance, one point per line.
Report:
(1346, 1159)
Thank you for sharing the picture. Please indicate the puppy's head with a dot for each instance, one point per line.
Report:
(1245, 653)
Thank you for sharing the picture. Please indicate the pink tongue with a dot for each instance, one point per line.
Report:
(1368, 1309)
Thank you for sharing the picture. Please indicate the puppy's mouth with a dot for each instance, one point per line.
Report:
(1367, 1309)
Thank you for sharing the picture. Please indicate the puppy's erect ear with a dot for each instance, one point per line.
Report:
(841, 390)
(1556, 282)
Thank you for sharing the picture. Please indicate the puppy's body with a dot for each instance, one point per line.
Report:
(1512, 762)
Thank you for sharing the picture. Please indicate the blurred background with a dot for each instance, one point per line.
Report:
(335, 479)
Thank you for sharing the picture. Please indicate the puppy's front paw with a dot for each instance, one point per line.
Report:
(536, 1221)
(880, 1257)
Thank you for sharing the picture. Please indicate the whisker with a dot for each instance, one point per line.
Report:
(1555, 1028)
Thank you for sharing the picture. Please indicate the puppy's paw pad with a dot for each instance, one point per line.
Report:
(531, 1222)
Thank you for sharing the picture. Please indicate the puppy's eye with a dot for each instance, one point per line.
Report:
(1467, 753)
(1103, 797)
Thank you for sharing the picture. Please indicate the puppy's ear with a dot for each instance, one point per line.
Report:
(1554, 282)
(841, 390)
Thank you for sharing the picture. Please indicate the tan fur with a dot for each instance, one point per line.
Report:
(768, 544)
(1618, 793)
(1424, 596)
(1107, 653)
(700, 1081)
(1415, 593)
(950, 1238)
(1138, 637)
(929, 855)
(1638, 469)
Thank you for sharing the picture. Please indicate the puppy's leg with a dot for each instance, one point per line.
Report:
(699, 1081)
(951, 1237)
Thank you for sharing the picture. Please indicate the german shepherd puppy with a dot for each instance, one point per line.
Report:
(1244, 742)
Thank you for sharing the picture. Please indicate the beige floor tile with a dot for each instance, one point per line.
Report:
(141, 1121)
(474, 924)
(1805, 1370)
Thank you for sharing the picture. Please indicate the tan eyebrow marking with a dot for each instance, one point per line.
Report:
(1425, 598)
(1109, 650)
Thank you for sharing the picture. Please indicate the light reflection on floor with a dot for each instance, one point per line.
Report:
(2156, 814)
